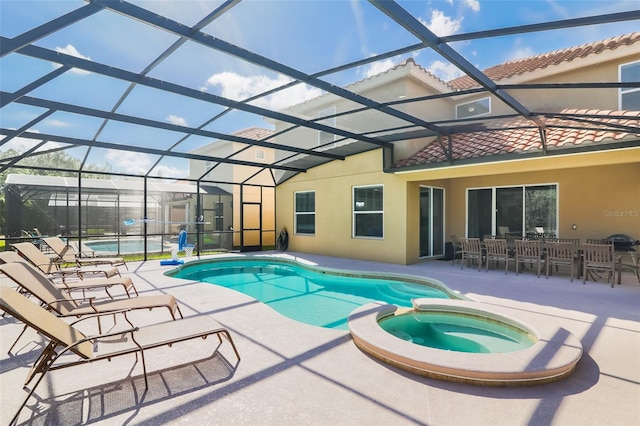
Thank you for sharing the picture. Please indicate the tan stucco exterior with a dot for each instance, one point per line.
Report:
(598, 192)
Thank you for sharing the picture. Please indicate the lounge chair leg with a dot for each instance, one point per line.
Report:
(18, 338)
(40, 366)
(233, 345)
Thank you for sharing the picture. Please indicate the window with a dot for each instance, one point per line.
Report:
(630, 96)
(326, 137)
(259, 154)
(515, 210)
(305, 213)
(368, 211)
(474, 108)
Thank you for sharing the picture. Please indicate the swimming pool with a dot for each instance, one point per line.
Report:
(312, 295)
(127, 245)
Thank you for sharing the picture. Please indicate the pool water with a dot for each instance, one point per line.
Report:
(306, 295)
(460, 333)
(127, 245)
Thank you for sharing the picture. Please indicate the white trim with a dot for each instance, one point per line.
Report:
(494, 206)
(354, 213)
(625, 90)
(296, 213)
(444, 221)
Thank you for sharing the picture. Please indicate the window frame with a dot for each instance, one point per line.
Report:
(626, 90)
(296, 213)
(488, 98)
(523, 187)
(355, 213)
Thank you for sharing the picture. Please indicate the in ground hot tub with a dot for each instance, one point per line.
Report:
(465, 341)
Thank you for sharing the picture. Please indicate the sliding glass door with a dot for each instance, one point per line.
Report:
(514, 209)
(431, 221)
(479, 212)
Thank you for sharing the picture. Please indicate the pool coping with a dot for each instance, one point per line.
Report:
(553, 357)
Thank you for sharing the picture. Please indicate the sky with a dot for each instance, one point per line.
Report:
(310, 36)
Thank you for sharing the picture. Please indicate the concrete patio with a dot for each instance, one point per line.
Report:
(292, 373)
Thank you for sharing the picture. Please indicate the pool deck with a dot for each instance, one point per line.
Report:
(292, 373)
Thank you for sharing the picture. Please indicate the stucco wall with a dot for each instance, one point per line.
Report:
(333, 184)
(600, 199)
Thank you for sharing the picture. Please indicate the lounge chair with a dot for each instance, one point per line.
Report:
(85, 284)
(50, 267)
(65, 338)
(68, 254)
(58, 300)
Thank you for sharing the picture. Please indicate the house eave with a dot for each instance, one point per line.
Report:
(554, 159)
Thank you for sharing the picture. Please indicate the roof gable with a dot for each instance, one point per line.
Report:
(550, 59)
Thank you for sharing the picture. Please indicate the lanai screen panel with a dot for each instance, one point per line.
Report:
(162, 81)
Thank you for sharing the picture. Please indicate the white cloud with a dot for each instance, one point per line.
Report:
(57, 123)
(519, 51)
(179, 121)
(139, 163)
(237, 87)
(444, 70)
(379, 67)
(473, 5)
(441, 24)
(20, 144)
(169, 172)
(132, 162)
(69, 49)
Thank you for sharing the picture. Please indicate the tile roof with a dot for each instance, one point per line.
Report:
(533, 63)
(569, 128)
(256, 133)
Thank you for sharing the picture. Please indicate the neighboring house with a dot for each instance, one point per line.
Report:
(577, 176)
(229, 206)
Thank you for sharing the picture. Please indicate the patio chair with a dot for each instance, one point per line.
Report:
(52, 268)
(67, 341)
(86, 284)
(598, 258)
(528, 251)
(471, 251)
(503, 231)
(561, 253)
(68, 254)
(457, 248)
(498, 251)
(58, 300)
